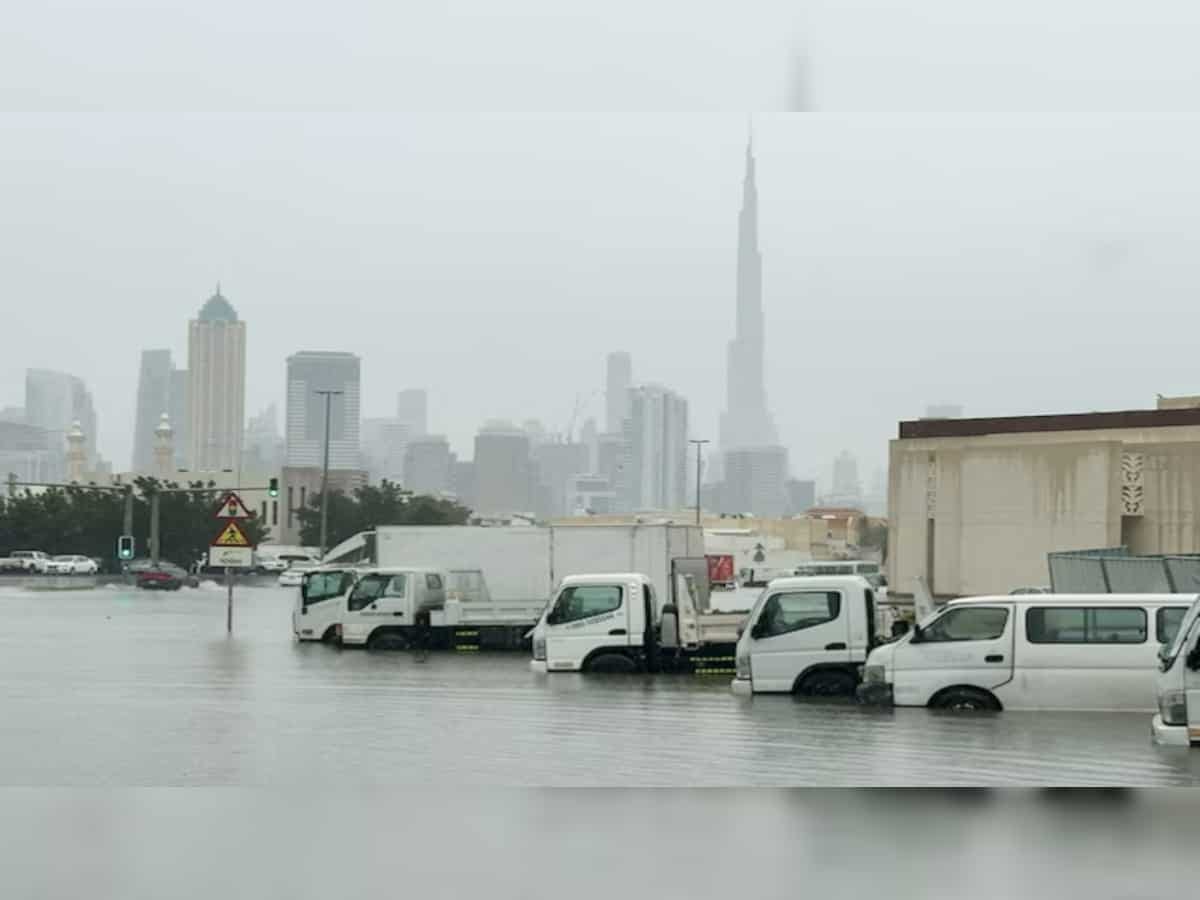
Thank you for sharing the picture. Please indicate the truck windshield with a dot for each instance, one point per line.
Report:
(584, 601)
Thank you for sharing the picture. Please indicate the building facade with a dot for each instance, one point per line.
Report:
(504, 481)
(975, 505)
(428, 465)
(309, 373)
(54, 402)
(656, 449)
(384, 441)
(618, 379)
(216, 386)
(153, 401)
(756, 481)
(300, 487)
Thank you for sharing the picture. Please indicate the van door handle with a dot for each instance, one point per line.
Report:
(995, 657)
(618, 631)
(836, 645)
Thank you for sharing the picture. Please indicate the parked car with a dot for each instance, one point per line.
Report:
(26, 561)
(73, 564)
(147, 575)
(293, 575)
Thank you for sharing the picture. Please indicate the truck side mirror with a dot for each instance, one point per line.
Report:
(758, 631)
(1193, 658)
(917, 635)
(900, 628)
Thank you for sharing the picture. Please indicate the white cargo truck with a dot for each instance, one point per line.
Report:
(500, 579)
(626, 622)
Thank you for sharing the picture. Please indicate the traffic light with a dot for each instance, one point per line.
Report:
(125, 546)
(273, 487)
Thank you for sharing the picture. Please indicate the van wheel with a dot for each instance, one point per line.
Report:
(382, 639)
(829, 683)
(966, 699)
(610, 664)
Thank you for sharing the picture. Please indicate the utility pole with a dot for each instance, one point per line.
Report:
(328, 395)
(699, 444)
(154, 549)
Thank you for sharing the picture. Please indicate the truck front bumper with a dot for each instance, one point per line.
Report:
(742, 687)
(538, 666)
(1168, 735)
(878, 693)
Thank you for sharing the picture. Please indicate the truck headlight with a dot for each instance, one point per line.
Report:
(874, 674)
(539, 649)
(1172, 706)
(743, 666)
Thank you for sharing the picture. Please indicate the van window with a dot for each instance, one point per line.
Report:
(1167, 621)
(1085, 625)
(967, 623)
(794, 610)
(584, 601)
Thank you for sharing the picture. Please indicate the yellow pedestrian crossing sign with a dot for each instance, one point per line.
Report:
(231, 536)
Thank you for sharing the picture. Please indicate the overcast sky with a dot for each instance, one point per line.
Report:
(1007, 236)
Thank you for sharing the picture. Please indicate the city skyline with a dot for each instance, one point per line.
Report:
(523, 276)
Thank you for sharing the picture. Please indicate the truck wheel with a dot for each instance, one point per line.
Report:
(828, 683)
(382, 639)
(610, 663)
(965, 699)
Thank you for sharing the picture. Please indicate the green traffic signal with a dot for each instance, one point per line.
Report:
(125, 546)
(273, 487)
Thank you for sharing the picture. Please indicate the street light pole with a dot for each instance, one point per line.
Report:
(699, 444)
(328, 395)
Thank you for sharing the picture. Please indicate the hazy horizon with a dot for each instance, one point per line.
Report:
(999, 262)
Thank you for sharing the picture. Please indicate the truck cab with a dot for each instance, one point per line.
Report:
(596, 623)
(320, 602)
(386, 604)
(807, 634)
(1177, 722)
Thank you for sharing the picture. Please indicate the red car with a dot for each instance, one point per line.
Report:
(159, 580)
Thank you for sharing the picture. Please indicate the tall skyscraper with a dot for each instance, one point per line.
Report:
(847, 489)
(746, 421)
(180, 412)
(216, 386)
(311, 371)
(656, 438)
(412, 409)
(503, 472)
(55, 401)
(153, 399)
(556, 465)
(618, 379)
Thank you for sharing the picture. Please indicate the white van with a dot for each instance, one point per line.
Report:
(1177, 722)
(1035, 651)
(807, 635)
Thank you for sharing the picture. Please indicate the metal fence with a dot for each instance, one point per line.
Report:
(1113, 570)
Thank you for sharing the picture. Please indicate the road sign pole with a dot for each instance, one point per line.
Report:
(229, 601)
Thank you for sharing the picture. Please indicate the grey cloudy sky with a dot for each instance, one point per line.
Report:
(947, 250)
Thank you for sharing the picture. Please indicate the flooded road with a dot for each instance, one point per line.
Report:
(120, 688)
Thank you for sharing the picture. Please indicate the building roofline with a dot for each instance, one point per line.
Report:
(1091, 421)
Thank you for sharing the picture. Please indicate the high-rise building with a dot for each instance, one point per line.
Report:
(216, 386)
(503, 472)
(180, 412)
(462, 482)
(25, 451)
(412, 409)
(656, 458)
(590, 495)
(383, 443)
(153, 400)
(588, 437)
(263, 446)
(756, 481)
(308, 373)
(428, 465)
(746, 421)
(847, 489)
(618, 379)
(55, 401)
(611, 458)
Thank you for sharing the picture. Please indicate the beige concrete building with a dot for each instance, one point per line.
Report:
(975, 505)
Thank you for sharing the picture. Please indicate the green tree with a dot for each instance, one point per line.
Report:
(372, 506)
